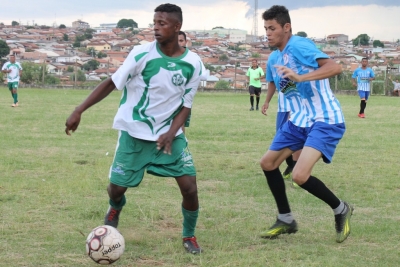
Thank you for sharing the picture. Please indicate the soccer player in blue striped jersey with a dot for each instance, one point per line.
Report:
(300, 71)
(362, 78)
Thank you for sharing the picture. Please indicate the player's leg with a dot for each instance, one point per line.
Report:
(15, 92)
(258, 94)
(362, 103)
(366, 100)
(180, 166)
(251, 91)
(127, 170)
(11, 89)
(281, 119)
(321, 142)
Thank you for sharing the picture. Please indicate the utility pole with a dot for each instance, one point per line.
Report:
(108, 68)
(255, 21)
(235, 72)
(43, 67)
(75, 74)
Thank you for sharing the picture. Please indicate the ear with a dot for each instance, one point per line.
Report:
(178, 26)
(287, 27)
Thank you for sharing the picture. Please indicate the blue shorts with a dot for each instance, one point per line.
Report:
(281, 118)
(320, 136)
(363, 94)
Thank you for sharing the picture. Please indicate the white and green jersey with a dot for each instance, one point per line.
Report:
(155, 88)
(13, 76)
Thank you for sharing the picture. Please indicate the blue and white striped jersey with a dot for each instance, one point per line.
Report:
(363, 76)
(283, 103)
(310, 101)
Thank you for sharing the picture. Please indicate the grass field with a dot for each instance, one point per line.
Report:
(53, 187)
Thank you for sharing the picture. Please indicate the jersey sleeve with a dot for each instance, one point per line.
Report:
(355, 74)
(248, 72)
(192, 85)
(128, 68)
(307, 53)
(261, 72)
(4, 66)
(268, 70)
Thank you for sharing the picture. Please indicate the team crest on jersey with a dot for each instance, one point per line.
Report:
(178, 79)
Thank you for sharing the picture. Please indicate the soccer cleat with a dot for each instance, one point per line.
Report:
(251, 109)
(191, 245)
(342, 224)
(280, 228)
(112, 217)
(294, 185)
(286, 174)
(362, 115)
(256, 107)
(16, 104)
(13, 105)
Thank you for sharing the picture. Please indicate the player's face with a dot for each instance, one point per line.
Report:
(364, 63)
(254, 64)
(277, 35)
(12, 59)
(165, 27)
(181, 40)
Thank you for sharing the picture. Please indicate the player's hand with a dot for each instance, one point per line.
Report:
(264, 108)
(165, 142)
(256, 79)
(288, 73)
(72, 122)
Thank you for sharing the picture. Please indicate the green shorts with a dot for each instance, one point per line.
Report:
(12, 85)
(133, 156)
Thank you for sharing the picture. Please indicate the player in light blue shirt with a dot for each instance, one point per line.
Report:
(363, 76)
(316, 124)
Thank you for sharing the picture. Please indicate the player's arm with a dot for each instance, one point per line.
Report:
(98, 94)
(327, 68)
(270, 94)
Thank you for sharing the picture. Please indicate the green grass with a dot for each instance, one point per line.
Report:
(53, 187)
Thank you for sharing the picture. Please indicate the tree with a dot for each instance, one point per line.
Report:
(255, 55)
(4, 49)
(222, 84)
(223, 57)
(91, 65)
(70, 69)
(91, 52)
(62, 26)
(378, 43)
(302, 34)
(50, 79)
(65, 37)
(32, 72)
(209, 67)
(80, 76)
(362, 39)
(78, 40)
(89, 33)
(101, 55)
(126, 23)
(218, 27)
(14, 23)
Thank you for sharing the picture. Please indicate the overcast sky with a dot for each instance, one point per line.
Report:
(380, 19)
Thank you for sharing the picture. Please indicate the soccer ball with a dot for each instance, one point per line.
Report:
(105, 244)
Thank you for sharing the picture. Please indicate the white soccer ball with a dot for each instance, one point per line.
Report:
(105, 244)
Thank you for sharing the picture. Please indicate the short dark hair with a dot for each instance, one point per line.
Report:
(182, 33)
(279, 13)
(170, 8)
(364, 58)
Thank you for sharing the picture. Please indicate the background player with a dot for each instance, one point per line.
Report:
(13, 70)
(363, 76)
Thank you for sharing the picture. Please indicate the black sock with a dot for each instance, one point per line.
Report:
(362, 106)
(277, 187)
(252, 100)
(319, 189)
(289, 161)
(257, 100)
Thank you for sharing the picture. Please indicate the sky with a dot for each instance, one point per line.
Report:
(380, 19)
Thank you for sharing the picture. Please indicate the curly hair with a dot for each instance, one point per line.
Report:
(279, 13)
(170, 8)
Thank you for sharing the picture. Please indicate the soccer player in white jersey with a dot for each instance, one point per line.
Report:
(159, 81)
(316, 124)
(14, 71)
(362, 77)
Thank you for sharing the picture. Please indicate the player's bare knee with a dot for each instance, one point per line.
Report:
(298, 177)
(267, 165)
